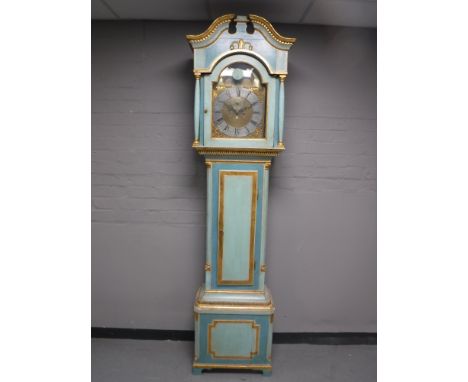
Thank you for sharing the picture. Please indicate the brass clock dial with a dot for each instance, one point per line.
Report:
(237, 112)
(238, 104)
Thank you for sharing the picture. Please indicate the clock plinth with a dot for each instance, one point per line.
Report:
(233, 330)
(239, 112)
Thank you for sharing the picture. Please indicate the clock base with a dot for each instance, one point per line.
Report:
(234, 334)
(199, 368)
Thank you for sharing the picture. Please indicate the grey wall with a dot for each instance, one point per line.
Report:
(148, 196)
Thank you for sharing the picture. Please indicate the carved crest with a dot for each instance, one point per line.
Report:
(241, 44)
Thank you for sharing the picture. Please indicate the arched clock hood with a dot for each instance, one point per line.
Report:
(229, 41)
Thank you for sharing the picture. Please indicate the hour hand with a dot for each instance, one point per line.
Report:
(231, 108)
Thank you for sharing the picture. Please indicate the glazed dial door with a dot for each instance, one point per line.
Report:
(240, 104)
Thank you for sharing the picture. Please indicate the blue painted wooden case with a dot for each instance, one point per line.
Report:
(234, 309)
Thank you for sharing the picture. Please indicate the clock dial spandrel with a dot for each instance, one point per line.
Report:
(239, 103)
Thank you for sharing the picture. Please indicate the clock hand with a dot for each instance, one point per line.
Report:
(231, 108)
(244, 108)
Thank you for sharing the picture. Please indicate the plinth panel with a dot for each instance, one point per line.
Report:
(233, 340)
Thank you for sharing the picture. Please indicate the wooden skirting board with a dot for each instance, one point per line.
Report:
(339, 338)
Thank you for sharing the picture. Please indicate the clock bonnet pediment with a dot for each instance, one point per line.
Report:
(253, 35)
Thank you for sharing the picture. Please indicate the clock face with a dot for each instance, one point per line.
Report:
(238, 103)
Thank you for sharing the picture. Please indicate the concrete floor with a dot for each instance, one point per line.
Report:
(116, 360)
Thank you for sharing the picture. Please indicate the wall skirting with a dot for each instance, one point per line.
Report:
(339, 338)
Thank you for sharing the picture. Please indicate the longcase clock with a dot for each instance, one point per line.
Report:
(240, 65)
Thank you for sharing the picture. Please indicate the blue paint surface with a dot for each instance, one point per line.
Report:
(263, 321)
(233, 166)
(237, 214)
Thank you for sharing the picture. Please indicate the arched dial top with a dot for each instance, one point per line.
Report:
(239, 103)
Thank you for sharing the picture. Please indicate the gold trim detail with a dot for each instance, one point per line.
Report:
(208, 267)
(245, 304)
(241, 44)
(253, 213)
(234, 291)
(231, 366)
(272, 31)
(264, 161)
(282, 77)
(197, 74)
(225, 306)
(196, 143)
(254, 325)
(263, 268)
(266, 306)
(239, 151)
(267, 165)
(281, 145)
(214, 25)
(195, 315)
(208, 164)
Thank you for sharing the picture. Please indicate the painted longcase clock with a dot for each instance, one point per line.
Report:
(240, 64)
